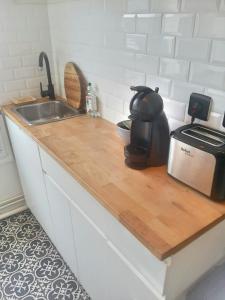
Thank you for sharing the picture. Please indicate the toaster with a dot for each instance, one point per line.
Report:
(197, 158)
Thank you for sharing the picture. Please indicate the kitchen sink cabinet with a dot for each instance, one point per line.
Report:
(28, 162)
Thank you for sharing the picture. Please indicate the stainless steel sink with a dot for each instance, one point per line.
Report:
(46, 112)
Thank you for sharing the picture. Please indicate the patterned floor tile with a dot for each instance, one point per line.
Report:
(30, 266)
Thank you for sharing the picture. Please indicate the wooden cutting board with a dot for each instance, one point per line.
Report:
(75, 85)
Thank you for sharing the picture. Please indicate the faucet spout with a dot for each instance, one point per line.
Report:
(50, 92)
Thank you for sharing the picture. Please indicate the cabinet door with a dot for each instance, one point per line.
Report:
(91, 248)
(125, 282)
(29, 167)
(103, 270)
(62, 232)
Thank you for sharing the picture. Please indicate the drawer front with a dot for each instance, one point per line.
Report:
(146, 263)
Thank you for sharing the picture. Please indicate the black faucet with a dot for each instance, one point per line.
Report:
(50, 91)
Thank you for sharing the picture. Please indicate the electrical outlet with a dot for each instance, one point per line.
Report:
(199, 106)
(223, 120)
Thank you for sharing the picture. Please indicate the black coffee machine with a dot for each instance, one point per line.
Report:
(149, 144)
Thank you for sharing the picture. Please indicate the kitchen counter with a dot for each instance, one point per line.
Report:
(162, 213)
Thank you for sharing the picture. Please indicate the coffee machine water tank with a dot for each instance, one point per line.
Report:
(149, 144)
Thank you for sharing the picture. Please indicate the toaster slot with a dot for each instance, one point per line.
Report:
(206, 135)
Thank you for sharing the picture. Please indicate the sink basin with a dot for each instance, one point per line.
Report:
(46, 112)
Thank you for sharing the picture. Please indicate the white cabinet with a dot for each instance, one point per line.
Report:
(103, 270)
(62, 235)
(29, 167)
(108, 260)
(91, 250)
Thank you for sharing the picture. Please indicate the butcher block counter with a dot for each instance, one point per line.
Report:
(163, 214)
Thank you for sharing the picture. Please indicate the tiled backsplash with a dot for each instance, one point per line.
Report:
(177, 45)
(24, 32)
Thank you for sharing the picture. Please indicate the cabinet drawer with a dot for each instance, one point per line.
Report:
(146, 263)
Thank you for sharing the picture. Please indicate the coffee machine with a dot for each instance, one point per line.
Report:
(149, 140)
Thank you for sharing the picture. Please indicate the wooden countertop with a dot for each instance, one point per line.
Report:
(162, 213)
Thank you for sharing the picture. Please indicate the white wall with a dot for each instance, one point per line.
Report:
(178, 45)
(24, 32)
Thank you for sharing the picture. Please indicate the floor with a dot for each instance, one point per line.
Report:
(30, 266)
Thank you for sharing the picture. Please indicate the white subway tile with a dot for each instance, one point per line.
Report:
(174, 109)
(210, 25)
(208, 75)
(178, 24)
(114, 88)
(133, 77)
(112, 115)
(218, 97)
(222, 5)
(162, 83)
(199, 5)
(148, 23)
(20, 49)
(128, 23)
(15, 85)
(136, 42)
(30, 60)
(4, 50)
(25, 72)
(11, 62)
(165, 5)
(95, 38)
(115, 40)
(189, 48)
(146, 63)
(18, 24)
(218, 52)
(116, 6)
(126, 108)
(112, 102)
(174, 124)
(174, 68)
(161, 46)
(181, 91)
(28, 35)
(30, 92)
(137, 6)
(214, 120)
(7, 97)
(6, 75)
(8, 37)
(124, 59)
(34, 82)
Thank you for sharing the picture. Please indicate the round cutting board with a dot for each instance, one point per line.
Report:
(75, 85)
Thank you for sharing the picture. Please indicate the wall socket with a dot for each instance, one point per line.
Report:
(199, 106)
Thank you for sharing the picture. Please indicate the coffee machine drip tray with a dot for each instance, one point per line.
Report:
(206, 135)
